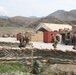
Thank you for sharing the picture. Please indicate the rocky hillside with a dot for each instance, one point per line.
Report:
(59, 16)
(17, 21)
(58, 12)
(48, 19)
(65, 15)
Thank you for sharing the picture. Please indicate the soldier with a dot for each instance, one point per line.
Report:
(56, 40)
(22, 41)
(27, 37)
(55, 44)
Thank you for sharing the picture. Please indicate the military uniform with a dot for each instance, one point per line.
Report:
(56, 40)
(27, 37)
(22, 42)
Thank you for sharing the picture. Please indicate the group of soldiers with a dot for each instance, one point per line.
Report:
(24, 40)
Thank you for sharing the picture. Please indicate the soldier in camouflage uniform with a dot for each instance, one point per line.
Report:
(27, 37)
(56, 40)
(22, 41)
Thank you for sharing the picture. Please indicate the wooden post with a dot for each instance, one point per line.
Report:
(32, 56)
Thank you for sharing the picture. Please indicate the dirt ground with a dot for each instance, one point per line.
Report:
(60, 62)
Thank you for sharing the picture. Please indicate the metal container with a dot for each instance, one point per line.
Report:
(48, 36)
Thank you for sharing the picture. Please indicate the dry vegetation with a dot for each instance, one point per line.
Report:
(13, 30)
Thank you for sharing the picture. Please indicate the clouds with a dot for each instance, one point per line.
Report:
(3, 11)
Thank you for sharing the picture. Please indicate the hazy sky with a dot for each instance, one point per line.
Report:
(37, 8)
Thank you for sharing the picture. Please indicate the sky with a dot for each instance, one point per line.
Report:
(39, 8)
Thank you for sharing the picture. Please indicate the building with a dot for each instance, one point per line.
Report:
(52, 27)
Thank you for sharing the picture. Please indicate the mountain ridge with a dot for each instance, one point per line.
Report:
(59, 17)
(65, 15)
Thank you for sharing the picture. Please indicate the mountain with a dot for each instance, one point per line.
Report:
(4, 17)
(58, 12)
(22, 21)
(65, 15)
(17, 21)
(33, 17)
(58, 17)
(48, 19)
